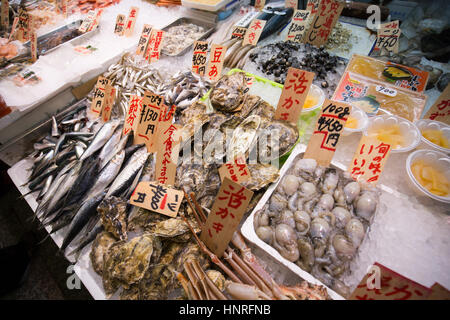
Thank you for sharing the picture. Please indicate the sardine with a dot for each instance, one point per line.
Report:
(108, 174)
(103, 135)
(47, 184)
(107, 150)
(88, 238)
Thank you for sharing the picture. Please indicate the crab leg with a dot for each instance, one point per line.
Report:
(198, 207)
(244, 291)
(184, 283)
(246, 279)
(192, 208)
(194, 280)
(211, 285)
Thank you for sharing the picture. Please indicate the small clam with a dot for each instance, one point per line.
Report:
(305, 165)
(306, 260)
(351, 191)
(344, 247)
(277, 203)
(330, 182)
(342, 216)
(286, 242)
(265, 233)
(307, 189)
(320, 228)
(303, 221)
(355, 231)
(366, 205)
(287, 217)
(290, 184)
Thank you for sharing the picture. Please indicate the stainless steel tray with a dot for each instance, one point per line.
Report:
(209, 27)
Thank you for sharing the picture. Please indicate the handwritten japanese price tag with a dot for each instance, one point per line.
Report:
(323, 22)
(440, 110)
(33, 43)
(369, 159)
(119, 29)
(259, 4)
(235, 170)
(298, 26)
(226, 213)
(388, 36)
(381, 283)
(327, 132)
(148, 120)
(99, 95)
(131, 21)
(155, 197)
(293, 96)
(254, 32)
(143, 40)
(291, 4)
(199, 57)
(313, 6)
(5, 14)
(154, 46)
(63, 5)
(13, 28)
(96, 21)
(386, 91)
(438, 292)
(216, 59)
(23, 26)
(132, 117)
(110, 95)
(238, 32)
(87, 21)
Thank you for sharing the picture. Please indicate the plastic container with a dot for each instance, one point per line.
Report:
(409, 131)
(427, 124)
(315, 91)
(434, 158)
(361, 117)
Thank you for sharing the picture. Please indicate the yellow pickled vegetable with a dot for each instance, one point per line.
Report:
(352, 123)
(391, 135)
(430, 178)
(310, 102)
(436, 137)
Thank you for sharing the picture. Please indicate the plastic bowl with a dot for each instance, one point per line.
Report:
(425, 124)
(408, 129)
(317, 92)
(434, 158)
(363, 121)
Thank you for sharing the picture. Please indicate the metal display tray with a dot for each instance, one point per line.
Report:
(209, 27)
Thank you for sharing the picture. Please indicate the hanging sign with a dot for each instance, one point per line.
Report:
(216, 59)
(134, 109)
(148, 121)
(254, 32)
(440, 110)
(143, 40)
(199, 57)
(298, 26)
(131, 21)
(119, 29)
(99, 95)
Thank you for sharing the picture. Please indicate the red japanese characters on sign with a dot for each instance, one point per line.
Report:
(327, 132)
(148, 121)
(119, 29)
(313, 6)
(110, 95)
(131, 119)
(322, 23)
(5, 14)
(167, 152)
(23, 26)
(369, 160)
(95, 21)
(199, 57)
(154, 46)
(131, 21)
(293, 96)
(235, 170)
(298, 26)
(254, 32)
(226, 213)
(99, 95)
(216, 59)
(440, 110)
(143, 40)
(388, 36)
(87, 21)
(33, 43)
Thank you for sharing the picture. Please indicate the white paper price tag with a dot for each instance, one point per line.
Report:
(387, 91)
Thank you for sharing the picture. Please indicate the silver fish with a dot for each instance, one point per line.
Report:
(109, 146)
(55, 132)
(108, 174)
(117, 148)
(105, 132)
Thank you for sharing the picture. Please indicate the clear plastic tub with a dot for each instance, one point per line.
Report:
(361, 117)
(435, 158)
(427, 124)
(315, 92)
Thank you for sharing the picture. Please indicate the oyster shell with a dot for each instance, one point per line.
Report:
(280, 143)
(113, 215)
(263, 109)
(244, 137)
(197, 108)
(174, 228)
(217, 278)
(260, 176)
(100, 246)
(228, 93)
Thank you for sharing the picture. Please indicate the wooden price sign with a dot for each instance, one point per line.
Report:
(313, 6)
(155, 197)
(99, 95)
(235, 170)
(388, 36)
(323, 22)
(154, 46)
(438, 292)
(33, 43)
(23, 26)
(95, 21)
(327, 132)
(291, 4)
(440, 110)
(13, 28)
(200, 57)
(293, 96)
(134, 110)
(110, 96)
(148, 121)
(298, 26)
(87, 21)
(254, 32)
(5, 14)
(369, 159)
(226, 213)
(131, 21)
(216, 59)
(64, 8)
(119, 29)
(381, 283)
(259, 4)
(143, 40)
(238, 32)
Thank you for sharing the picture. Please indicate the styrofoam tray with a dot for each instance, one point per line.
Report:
(203, 6)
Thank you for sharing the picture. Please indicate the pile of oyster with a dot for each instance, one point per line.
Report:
(317, 218)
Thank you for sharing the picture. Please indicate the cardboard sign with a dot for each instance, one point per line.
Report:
(110, 96)
(96, 21)
(87, 21)
(382, 283)
(440, 110)
(134, 110)
(313, 7)
(5, 14)
(154, 46)
(369, 159)
(23, 26)
(99, 95)
(200, 57)
(293, 96)
(167, 150)
(226, 213)
(259, 4)
(155, 197)
(33, 43)
(291, 4)
(148, 121)
(254, 32)
(143, 40)
(119, 29)
(235, 170)
(438, 292)
(298, 26)
(327, 132)
(13, 28)
(216, 59)
(131, 21)
(238, 32)
(388, 36)
(323, 22)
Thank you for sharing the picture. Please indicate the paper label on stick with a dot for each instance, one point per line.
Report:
(143, 40)
(369, 160)
(87, 21)
(259, 4)
(64, 8)
(13, 28)
(313, 6)
(438, 292)
(132, 117)
(167, 150)
(226, 213)
(298, 26)
(33, 43)
(388, 37)
(23, 26)
(291, 4)
(131, 21)
(327, 132)
(156, 197)
(154, 46)
(99, 95)
(95, 21)
(148, 120)
(386, 91)
(254, 32)
(322, 23)
(440, 110)
(5, 14)
(216, 59)
(199, 57)
(381, 283)
(235, 170)
(110, 95)
(119, 29)
(238, 32)
(293, 96)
